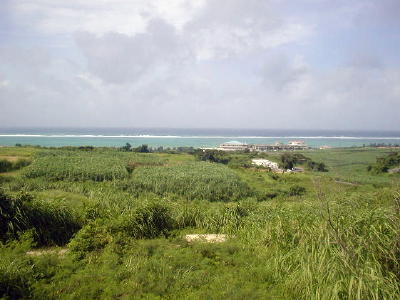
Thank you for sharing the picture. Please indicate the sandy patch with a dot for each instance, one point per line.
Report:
(208, 238)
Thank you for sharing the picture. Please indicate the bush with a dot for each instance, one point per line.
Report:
(296, 190)
(314, 166)
(93, 236)
(148, 221)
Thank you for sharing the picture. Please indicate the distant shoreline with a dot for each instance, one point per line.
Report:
(189, 137)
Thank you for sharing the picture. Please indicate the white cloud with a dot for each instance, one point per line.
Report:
(99, 17)
(4, 84)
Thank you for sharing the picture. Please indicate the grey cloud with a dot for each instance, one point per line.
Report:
(380, 13)
(226, 28)
(279, 72)
(118, 58)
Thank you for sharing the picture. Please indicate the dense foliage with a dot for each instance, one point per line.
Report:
(213, 156)
(290, 160)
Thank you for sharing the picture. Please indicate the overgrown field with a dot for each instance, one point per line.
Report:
(83, 165)
(106, 224)
(200, 180)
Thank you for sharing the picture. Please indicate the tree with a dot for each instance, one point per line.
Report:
(212, 156)
(127, 147)
(142, 149)
(287, 161)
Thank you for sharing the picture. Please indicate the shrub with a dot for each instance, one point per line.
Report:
(296, 190)
(148, 221)
(314, 166)
(93, 236)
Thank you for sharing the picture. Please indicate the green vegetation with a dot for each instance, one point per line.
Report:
(383, 164)
(52, 223)
(213, 156)
(82, 165)
(7, 165)
(98, 223)
(204, 181)
(290, 160)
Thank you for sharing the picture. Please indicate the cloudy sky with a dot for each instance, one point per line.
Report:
(330, 64)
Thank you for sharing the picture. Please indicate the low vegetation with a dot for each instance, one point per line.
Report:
(120, 218)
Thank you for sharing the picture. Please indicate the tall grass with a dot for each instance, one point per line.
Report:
(201, 180)
(77, 167)
(82, 165)
(52, 223)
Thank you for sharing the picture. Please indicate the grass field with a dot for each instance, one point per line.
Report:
(106, 224)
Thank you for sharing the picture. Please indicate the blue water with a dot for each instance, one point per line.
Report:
(170, 137)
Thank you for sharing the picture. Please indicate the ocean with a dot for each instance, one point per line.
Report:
(178, 137)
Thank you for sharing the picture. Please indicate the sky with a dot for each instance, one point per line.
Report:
(279, 64)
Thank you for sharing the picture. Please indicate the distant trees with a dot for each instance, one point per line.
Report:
(127, 147)
(142, 148)
(289, 160)
(315, 166)
(212, 156)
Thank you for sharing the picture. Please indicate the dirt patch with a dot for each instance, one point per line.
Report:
(40, 252)
(207, 238)
(347, 183)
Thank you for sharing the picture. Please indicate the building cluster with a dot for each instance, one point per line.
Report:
(238, 146)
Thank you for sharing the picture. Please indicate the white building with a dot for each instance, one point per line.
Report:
(233, 146)
(297, 143)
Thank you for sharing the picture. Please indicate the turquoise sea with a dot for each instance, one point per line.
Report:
(176, 137)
